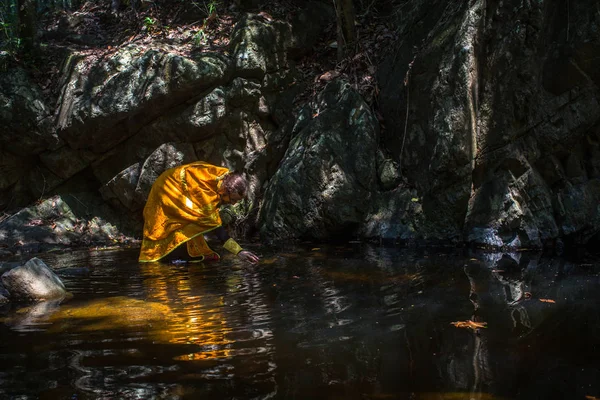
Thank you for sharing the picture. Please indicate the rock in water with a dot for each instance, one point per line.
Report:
(34, 281)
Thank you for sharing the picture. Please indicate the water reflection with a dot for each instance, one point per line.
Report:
(335, 322)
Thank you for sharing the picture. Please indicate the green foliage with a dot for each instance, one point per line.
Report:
(199, 37)
(9, 41)
(149, 22)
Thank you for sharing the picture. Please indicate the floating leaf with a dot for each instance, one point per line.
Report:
(469, 324)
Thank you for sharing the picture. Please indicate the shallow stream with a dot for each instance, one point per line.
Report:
(351, 322)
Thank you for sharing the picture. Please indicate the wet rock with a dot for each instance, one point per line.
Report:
(33, 281)
(4, 294)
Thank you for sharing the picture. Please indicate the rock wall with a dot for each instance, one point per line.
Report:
(501, 139)
(491, 129)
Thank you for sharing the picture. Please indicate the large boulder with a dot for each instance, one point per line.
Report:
(259, 45)
(325, 183)
(106, 101)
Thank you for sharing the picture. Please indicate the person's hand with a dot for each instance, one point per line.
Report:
(248, 256)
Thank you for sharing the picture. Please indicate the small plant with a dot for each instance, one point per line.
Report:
(149, 23)
(210, 10)
(199, 37)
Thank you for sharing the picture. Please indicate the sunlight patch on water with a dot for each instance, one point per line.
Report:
(109, 313)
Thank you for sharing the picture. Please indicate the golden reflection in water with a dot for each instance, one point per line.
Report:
(198, 321)
(111, 313)
(161, 316)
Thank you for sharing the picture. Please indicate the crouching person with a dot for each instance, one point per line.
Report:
(182, 206)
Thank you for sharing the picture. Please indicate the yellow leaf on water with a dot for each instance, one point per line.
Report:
(469, 324)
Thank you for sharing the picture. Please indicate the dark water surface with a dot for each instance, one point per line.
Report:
(328, 323)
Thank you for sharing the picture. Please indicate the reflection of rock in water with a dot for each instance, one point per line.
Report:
(509, 292)
(496, 288)
(35, 317)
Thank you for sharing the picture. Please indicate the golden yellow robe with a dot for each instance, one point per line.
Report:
(181, 207)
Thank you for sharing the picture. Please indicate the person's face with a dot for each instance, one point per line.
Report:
(230, 198)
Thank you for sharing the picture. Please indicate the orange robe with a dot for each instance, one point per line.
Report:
(181, 207)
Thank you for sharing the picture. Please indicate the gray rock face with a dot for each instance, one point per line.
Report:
(25, 119)
(53, 222)
(326, 181)
(33, 281)
(502, 139)
(25, 131)
(260, 46)
(104, 103)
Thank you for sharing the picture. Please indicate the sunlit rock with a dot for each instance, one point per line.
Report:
(106, 101)
(33, 281)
